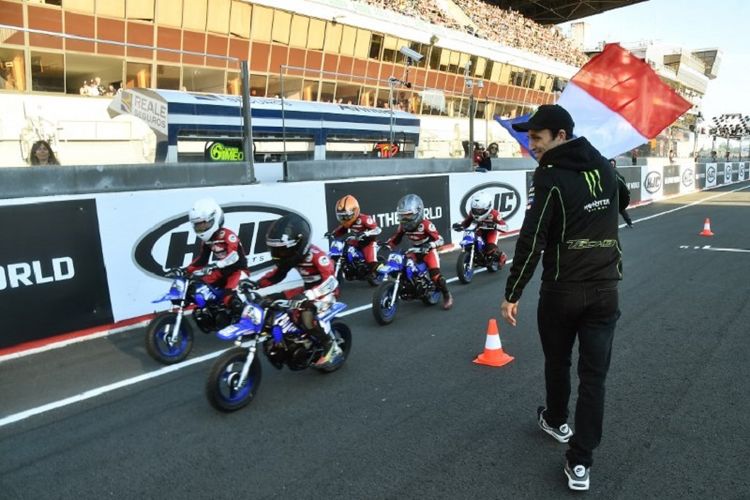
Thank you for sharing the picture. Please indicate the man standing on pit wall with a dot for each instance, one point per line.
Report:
(571, 216)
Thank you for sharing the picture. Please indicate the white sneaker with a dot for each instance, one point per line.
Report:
(578, 477)
(561, 434)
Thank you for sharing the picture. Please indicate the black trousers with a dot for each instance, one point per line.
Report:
(590, 312)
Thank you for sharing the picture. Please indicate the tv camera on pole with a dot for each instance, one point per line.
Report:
(412, 57)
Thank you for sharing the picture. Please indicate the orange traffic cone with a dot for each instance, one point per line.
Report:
(706, 228)
(493, 354)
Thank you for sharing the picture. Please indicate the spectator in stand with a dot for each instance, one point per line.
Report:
(476, 155)
(493, 150)
(485, 162)
(634, 157)
(97, 84)
(714, 157)
(672, 156)
(42, 154)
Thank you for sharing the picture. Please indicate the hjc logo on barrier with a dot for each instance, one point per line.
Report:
(727, 173)
(687, 177)
(711, 174)
(505, 198)
(652, 183)
(172, 243)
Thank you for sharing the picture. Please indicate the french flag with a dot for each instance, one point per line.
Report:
(521, 137)
(618, 102)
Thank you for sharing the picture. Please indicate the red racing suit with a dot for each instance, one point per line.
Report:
(229, 259)
(488, 228)
(320, 285)
(424, 234)
(366, 229)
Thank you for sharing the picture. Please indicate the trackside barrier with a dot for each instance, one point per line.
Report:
(23, 182)
(318, 170)
(93, 258)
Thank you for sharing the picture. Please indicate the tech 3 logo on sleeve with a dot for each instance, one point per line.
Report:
(587, 244)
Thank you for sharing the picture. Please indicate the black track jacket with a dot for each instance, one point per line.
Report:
(571, 216)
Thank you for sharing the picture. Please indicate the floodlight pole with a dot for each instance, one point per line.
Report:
(247, 128)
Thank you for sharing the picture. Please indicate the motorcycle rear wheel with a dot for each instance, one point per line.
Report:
(159, 348)
(432, 298)
(383, 308)
(493, 263)
(221, 386)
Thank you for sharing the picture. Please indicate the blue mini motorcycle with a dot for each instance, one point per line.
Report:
(403, 279)
(349, 262)
(169, 336)
(473, 254)
(235, 376)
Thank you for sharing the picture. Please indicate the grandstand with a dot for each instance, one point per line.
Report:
(327, 50)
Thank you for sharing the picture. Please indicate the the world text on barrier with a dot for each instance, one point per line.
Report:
(36, 273)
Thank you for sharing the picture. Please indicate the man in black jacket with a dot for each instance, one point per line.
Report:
(571, 217)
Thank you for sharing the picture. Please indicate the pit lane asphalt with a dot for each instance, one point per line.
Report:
(410, 416)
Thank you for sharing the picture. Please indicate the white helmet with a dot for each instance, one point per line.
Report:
(206, 217)
(481, 205)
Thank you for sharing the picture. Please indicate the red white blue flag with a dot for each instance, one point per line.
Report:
(618, 102)
(521, 137)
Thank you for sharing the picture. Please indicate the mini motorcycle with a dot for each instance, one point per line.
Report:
(473, 254)
(403, 279)
(169, 336)
(349, 261)
(235, 376)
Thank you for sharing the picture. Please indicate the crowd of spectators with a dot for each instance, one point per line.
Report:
(503, 26)
(94, 88)
(425, 10)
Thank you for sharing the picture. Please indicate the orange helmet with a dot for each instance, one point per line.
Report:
(347, 210)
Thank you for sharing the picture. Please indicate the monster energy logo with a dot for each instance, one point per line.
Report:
(593, 181)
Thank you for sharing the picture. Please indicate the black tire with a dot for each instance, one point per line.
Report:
(158, 348)
(220, 389)
(382, 308)
(377, 280)
(344, 339)
(465, 275)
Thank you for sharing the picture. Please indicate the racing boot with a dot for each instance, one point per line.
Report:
(331, 357)
(332, 352)
(373, 275)
(447, 300)
(503, 259)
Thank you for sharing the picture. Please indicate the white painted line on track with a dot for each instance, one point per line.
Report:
(716, 249)
(105, 389)
(173, 368)
(682, 207)
(63, 343)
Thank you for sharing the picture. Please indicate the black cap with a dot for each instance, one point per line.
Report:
(547, 116)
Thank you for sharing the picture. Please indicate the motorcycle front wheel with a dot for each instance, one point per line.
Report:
(222, 387)
(464, 269)
(383, 306)
(158, 343)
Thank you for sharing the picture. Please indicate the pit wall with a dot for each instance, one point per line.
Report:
(85, 261)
